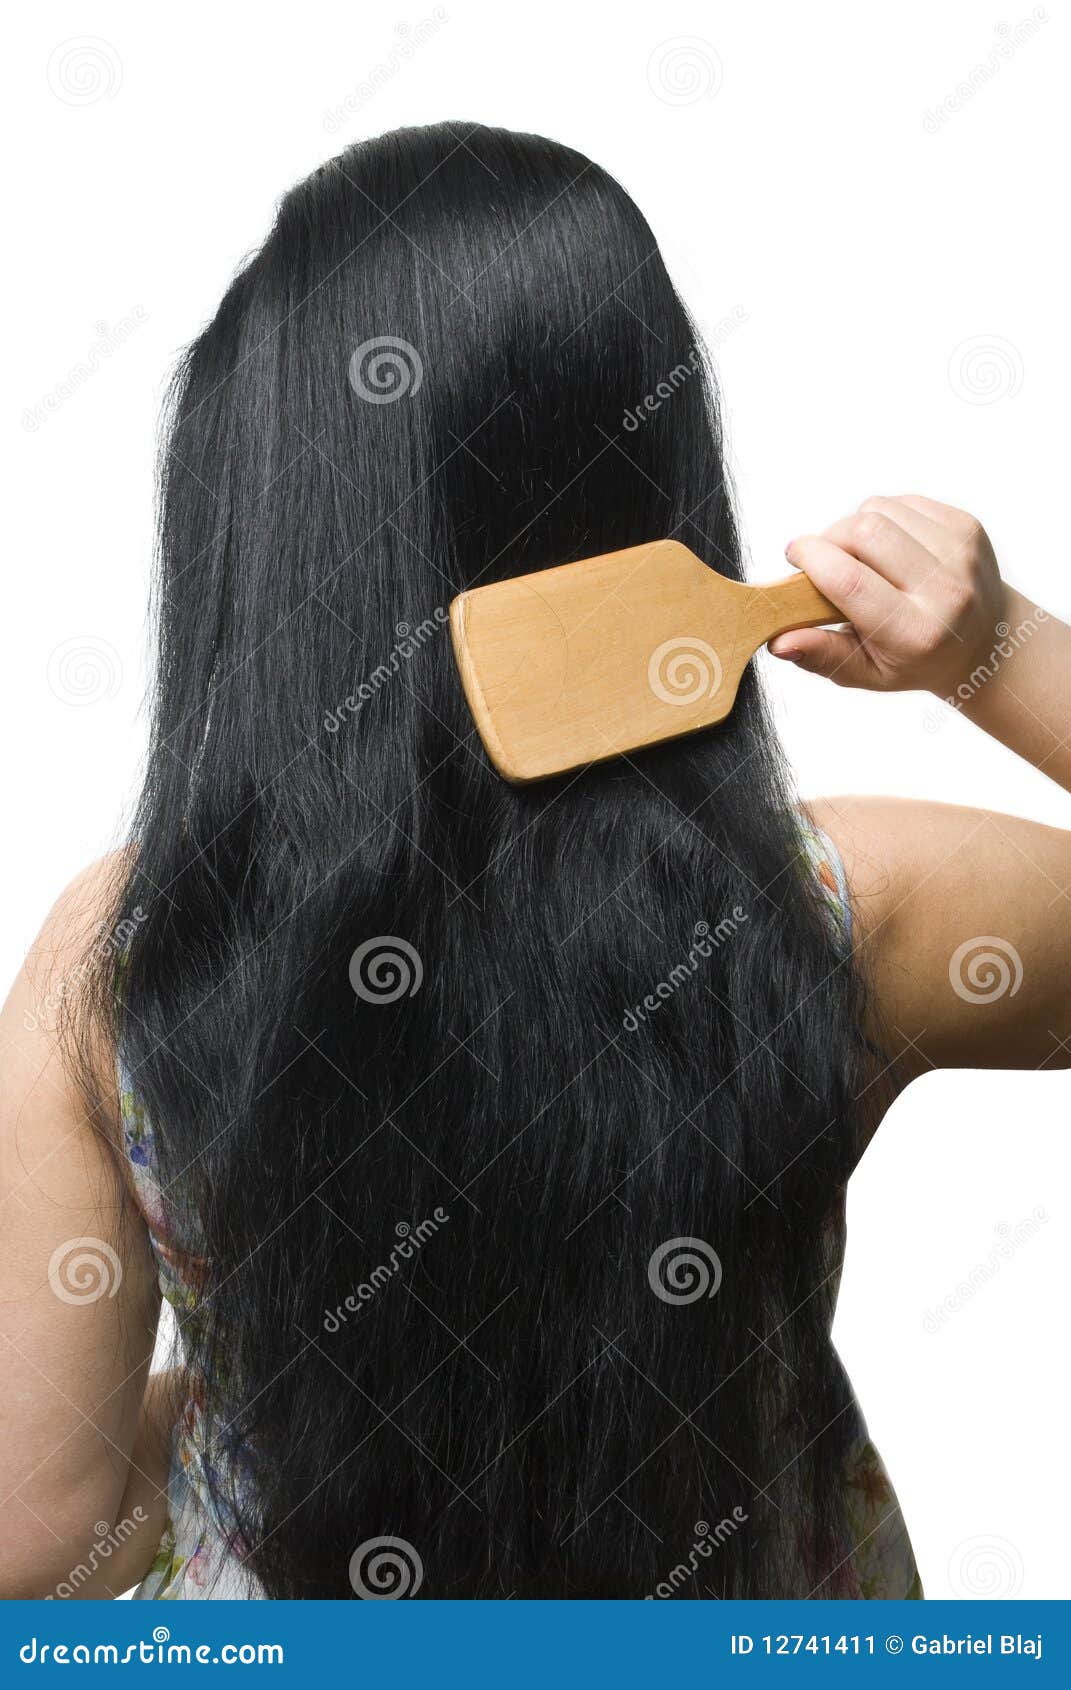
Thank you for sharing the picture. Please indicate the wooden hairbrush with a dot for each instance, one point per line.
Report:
(586, 661)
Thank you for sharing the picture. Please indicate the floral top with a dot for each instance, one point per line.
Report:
(200, 1555)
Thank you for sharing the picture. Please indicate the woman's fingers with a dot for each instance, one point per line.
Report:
(838, 654)
(881, 542)
(919, 584)
(945, 516)
(911, 519)
(865, 597)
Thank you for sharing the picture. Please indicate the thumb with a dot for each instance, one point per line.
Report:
(838, 654)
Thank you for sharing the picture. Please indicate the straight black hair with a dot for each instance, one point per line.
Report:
(506, 1128)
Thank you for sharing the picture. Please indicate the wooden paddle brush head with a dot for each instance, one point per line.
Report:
(589, 660)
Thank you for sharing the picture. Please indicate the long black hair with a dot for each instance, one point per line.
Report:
(508, 1125)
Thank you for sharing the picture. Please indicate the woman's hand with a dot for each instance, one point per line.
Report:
(919, 585)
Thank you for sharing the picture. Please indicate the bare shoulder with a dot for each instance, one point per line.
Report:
(963, 927)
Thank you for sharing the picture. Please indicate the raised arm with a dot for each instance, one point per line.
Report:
(963, 916)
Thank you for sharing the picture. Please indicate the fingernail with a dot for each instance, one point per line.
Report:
(788, 549)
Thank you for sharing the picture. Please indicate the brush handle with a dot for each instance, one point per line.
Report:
(794, 602)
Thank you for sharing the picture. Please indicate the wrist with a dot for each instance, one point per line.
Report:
(980, 653)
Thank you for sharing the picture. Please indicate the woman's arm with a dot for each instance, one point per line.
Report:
(78, 1291)
(919, 583)
(963, 916)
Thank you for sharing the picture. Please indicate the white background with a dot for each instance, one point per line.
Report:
(897, 288)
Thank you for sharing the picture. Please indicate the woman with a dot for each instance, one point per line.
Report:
(490, 1143)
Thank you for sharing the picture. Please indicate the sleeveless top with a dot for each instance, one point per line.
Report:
(200, 1554)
